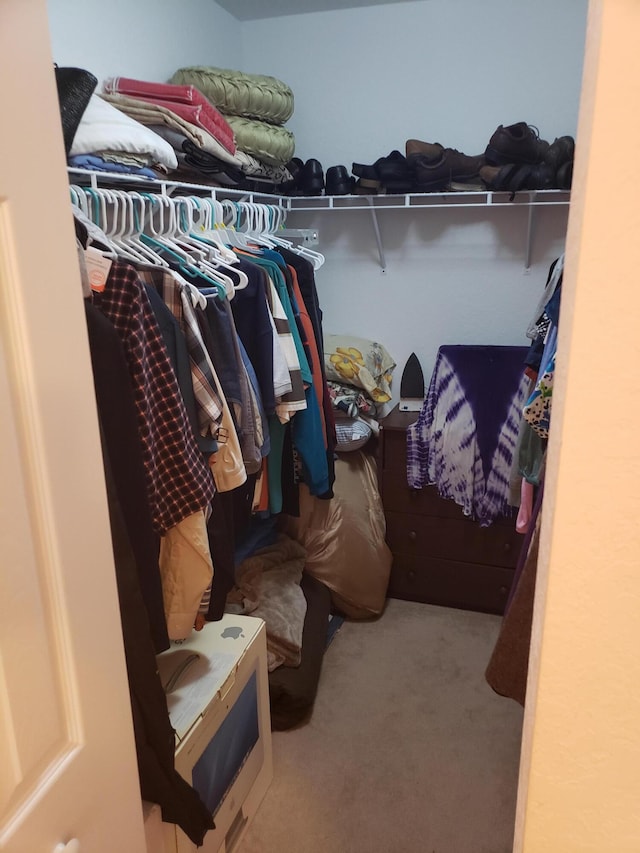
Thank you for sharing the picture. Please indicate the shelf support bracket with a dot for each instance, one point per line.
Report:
(530, 228)
(376, 229)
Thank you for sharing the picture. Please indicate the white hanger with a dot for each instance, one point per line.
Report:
(102, 215)
(133, 229)
(254, 225)
(208, 255)
(316, 258)
(210, 227)
(234, 235)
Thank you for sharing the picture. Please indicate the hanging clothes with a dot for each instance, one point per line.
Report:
(178, 481)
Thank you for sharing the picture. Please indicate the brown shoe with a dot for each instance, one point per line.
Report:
(428, 149)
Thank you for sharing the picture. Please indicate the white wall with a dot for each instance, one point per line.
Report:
(451, 276)
(450, 71)
(143, 39)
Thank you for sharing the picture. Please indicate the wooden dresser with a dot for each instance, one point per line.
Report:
(439, 555)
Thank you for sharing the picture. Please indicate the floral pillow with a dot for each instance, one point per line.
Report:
(359, 362)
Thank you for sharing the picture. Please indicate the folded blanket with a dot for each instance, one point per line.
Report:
(95, 163)
(185, 101)
(210, 165)
(104, 128)
(255, 96)
(269, 143)
(268, 587)
(153, 114)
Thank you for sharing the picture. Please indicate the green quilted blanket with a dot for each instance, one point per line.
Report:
(255, 96)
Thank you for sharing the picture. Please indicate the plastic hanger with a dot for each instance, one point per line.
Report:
(254, 225)
(133, 236)
(277, 219)
(234, 235)
(98, 212)
(164, 241)
(206, 257)
(208, 227)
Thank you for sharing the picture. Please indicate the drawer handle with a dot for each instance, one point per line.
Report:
(413, 494)
(413, 535)
(411, 575)
(507, 547)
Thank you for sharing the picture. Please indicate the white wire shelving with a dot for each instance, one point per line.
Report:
(531, 199)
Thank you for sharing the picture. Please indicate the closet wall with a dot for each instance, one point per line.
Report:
(365, 80)
(145, 39)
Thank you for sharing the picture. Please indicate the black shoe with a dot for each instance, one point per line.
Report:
(497, 177)
(564, 176)
(437, 174)
(533, 177)
(368, 182)
(338, 181)
(517, 143)
(312, 178)
(394, 172)
(560, 151)
(292, 187)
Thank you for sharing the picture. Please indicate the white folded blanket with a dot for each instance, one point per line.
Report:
(105, 128)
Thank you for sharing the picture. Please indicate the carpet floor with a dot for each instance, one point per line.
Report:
(408, 748)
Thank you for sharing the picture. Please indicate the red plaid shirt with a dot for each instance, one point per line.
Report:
(179, 482)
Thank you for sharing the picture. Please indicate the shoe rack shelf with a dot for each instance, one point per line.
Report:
(531, 199)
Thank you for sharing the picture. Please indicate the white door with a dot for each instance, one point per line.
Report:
(68, 778)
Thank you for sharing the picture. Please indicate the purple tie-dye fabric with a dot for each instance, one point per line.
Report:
(464, 439)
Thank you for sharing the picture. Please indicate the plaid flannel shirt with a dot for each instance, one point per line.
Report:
(179, 483)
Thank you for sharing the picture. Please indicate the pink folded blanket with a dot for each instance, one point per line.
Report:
(185, 101)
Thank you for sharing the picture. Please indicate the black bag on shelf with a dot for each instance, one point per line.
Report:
(75, 87)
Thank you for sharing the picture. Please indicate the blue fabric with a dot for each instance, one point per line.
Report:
(253, 379)
(251, 316)
(308, 440)
(97, 164)
(260, 533)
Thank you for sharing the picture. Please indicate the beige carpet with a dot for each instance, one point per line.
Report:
(408, 748)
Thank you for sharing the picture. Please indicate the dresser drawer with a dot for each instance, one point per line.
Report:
(394, 455)
(450, 583)
(452, 539)
(398, 497)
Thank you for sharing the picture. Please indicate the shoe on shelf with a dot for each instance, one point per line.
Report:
(394, 172)
(516, 143)
(292, 187)
(368, 179)
(564, 176)
(560, 151)
(450, 167)
(429, 149)
(338, 181)
(514, 177)
(312, 178)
